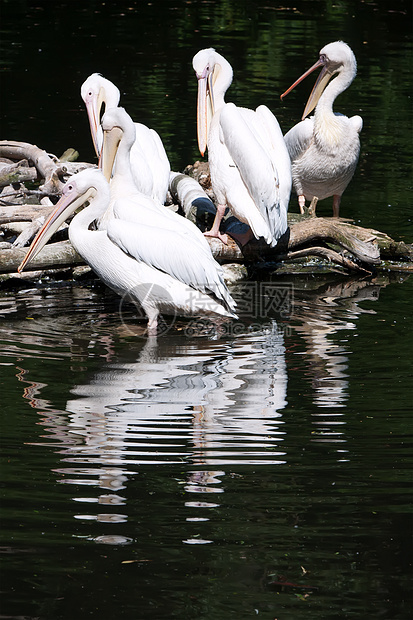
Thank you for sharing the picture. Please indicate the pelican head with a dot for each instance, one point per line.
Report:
(97, 91)
(335, 58)
(214, 75)
(117, 126)
(79, 189)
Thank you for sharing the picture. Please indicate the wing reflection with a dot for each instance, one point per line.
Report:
(208, 405)
(199, 404)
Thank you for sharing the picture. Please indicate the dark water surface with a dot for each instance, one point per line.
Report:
(264, 473)
(260, 472)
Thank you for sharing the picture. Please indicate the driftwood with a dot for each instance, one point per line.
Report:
(19, 172)
(53, 255)
(23, 213)
(336, 241)
(49, 168)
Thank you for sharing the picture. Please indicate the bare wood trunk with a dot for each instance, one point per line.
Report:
(17, 173)
(332, 239)
(44, 164)
(23, 213)
(53, 255)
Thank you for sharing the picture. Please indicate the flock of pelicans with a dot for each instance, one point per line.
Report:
(150, 254)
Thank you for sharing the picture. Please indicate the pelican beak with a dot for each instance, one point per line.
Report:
(205, 108)
(93, 108)
(68, 203)
(111, 141)
(319, 86)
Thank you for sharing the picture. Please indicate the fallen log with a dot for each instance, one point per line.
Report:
(52, 256)
(334, 240)
(18, 172)
(48, 167)
(23, 213)
(302, 238)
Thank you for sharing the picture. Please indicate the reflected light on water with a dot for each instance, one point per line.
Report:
(200, 404)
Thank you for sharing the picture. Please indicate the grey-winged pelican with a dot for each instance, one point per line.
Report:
(324, 148)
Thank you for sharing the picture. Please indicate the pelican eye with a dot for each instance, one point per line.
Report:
(323, 58)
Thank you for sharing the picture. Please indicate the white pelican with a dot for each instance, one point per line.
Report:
(150, 164)
(324, 148)
(160, 269)
(126, 202)
(249, 164)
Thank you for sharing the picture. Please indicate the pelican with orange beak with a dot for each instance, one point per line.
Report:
(249, 163)
(149, 161)
(156, 267)
(324, 148)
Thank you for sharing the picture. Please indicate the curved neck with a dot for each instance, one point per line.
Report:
(221, 80)
(112, 94)
(98, 205)
(333, 90)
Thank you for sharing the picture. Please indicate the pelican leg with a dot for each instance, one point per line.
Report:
(312, 207)
(152, 326)
(301, 203)
(336, 205)
(214, 232)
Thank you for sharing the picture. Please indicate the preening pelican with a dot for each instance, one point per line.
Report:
(157, 268)
(324, 148)
(150, 164)
(249, 163)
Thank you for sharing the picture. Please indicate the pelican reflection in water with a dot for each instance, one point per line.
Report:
(204, 405)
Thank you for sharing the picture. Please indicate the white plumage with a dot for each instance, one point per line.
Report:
(249, 163)
(168, 277)
(324, 148)
(126, 202)
(150, 164)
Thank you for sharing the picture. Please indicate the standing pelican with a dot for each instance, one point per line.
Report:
(249, 163)
(154, 266)
(324, 148)
(126, 202)
(150, 164)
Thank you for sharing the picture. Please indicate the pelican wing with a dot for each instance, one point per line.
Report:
(357, 123)
(244, 138)
(156, 159)
(278, 152)
(173, 253)
(299, 138)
